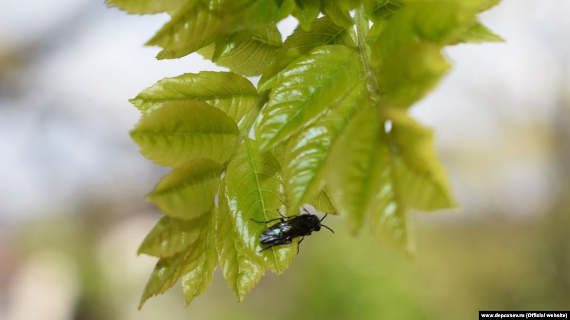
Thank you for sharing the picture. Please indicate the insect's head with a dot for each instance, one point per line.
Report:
(320, 224)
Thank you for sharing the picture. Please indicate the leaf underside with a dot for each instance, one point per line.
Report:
(328, 125)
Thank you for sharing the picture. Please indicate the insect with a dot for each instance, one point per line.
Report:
(291, 227)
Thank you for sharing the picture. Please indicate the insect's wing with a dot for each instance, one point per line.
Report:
(308, 209)
(277, 233)
(268, 237)
(286, 228)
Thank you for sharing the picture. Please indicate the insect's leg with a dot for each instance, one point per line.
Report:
(266, 221)
(281, 214)
(271, 246)
(299, 244)
(275, 245)
(284, 216)
(282, 242)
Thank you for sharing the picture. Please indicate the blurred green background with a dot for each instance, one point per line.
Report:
(71, 199)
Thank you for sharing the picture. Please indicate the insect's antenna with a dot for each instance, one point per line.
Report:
(323, 218)
(331, 230)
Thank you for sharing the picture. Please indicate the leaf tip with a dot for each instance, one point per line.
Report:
(163, 55)
(188, 300)
(135, 101)
(142, 248)
(142, 302)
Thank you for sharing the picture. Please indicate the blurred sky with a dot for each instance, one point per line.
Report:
(70, 66)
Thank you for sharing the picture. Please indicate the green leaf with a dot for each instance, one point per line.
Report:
(241, 269)
(147, 6)
(195, 281)
(286, 8)
(387, 209)
(168, 270)
(249, 52)
(479, 33)
(305, 90)
(323, 203)
(197, 25)
(182, 131)
(306, 11)
(355, 160)
(188, 191)
(406, 46)
(363, 184)
(169, 236)
(227, 91)
(445, 21)
(191, 28)
(382, 174)
(382, 9)
(322, 32)
(339, 11)
(253, 192)
(306, 155)
(477, 5)
(418, 170)
(409, 73)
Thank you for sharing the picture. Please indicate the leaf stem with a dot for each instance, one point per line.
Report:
(363, 50)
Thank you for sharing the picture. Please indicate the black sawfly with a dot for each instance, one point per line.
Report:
(291, 227)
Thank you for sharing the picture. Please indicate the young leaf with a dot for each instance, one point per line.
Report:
(197, 280)
(168, 270)
(355, 160)
(479, 33)
(363, 162)
(169, 236)
(191, 28)
(409, 73)
(387, 209)
(383, 174)
(286, 8)
(306, 154)
(323, 203)
(198, 24)
(406, 49)
(418, 170)
(305, 90)
(306, 11)
(188, 191)
(382, 9)
(253, 192)
(322, 32)
(249, 52)
(182, 131)
(241, 269)
(147, 6)
(339, 11)
(447, 20)
(227, 91)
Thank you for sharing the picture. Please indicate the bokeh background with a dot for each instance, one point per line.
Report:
(72, 183)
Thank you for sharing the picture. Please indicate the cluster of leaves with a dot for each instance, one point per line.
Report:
(327, 125)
